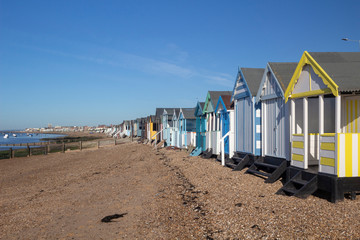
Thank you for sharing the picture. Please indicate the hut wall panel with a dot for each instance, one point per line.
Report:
(215, 142)
(303, 82)
(316, 81)
(191, 139)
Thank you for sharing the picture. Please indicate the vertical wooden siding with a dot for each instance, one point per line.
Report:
(244, 125)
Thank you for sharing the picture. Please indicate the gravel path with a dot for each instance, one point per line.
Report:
(162, 194)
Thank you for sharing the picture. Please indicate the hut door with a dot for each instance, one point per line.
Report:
(225, 130)
(203, 132)
(271, 128)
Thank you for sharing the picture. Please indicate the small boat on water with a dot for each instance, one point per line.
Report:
(6, 136)
(14, 135)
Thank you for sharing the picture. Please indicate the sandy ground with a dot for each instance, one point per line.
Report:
(163, 194)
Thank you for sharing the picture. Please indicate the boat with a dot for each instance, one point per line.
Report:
(6, 136)
(14, 135)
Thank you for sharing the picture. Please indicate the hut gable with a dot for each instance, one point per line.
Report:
(212, 99)
(224, 103)
(325, 73)
(247, 83)
(275, 79)
(199, 108)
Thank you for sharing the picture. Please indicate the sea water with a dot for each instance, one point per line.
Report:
(23, 138)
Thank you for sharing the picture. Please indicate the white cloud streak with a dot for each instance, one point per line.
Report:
(146, 65)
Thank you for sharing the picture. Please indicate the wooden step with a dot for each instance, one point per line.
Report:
(301, 185)
(270, 167)
(299, 181)
(230, 164)
(262, 164)
(265, 174)
(290, 191)
(207, 154)
(237, 159)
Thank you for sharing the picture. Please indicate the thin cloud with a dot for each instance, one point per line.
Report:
(146, 65)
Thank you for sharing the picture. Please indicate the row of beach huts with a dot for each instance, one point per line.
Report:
(297, 122)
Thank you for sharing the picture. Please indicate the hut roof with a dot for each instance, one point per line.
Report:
(342, 67)
(214, 96)
(188, 113)
(253, 77)
(283, 72)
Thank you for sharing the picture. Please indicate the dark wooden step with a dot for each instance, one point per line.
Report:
(262, 164)
(265, 174)
(207, 154)
(301, 185)
(270, 167)
(299, 181)
(236, 159)
(241, 162)
(290, 191)
(230, 164)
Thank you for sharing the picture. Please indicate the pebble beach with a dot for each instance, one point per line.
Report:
(156, 194)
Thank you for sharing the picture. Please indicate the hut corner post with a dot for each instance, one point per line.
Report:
(132, 129)
(306, 135)
(337, 114)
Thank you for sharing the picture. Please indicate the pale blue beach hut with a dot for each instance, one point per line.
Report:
(168, 125)
(275, 113)
(187, 127)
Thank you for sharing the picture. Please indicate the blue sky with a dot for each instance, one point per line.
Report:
(102, 62)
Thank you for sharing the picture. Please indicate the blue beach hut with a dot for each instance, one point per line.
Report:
(247, 111)
(200, 128)
(212, 120)
(225, 113)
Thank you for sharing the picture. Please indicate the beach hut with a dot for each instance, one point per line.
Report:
(152, 128)
(200, 129)
(247, 118)
(324, 95)
(159, 123)
(247, 112)
(173, 126)
(127, 126)
(275, 123)
(144, 124)
(174, 131)
(225, 112)
(187, 127)
(123, 129)
(134, 128)
(275, 113)
(168, 124)
(212, 120)
(138, 127)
